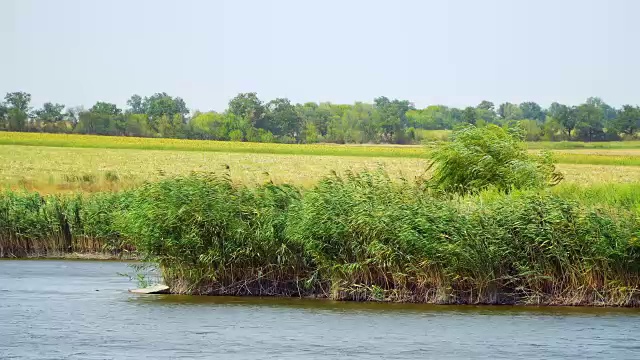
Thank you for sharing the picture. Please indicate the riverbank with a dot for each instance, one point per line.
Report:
(362, 237)
(74, 256)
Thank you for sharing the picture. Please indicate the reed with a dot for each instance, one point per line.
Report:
(49, 226)
(366, 237)
(359, 236)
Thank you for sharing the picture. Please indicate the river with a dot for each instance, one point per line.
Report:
(82, 310)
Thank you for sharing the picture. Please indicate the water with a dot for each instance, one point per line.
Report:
(82, 310)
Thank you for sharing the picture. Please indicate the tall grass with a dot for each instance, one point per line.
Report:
(365, 237)
(35, 225)
(355, 237)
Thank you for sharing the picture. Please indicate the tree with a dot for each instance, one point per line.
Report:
(391, 116)
(73, 113)
(247, 106)
(608, 112)
(508, 111)
(566, 116)
(50, 117)
(236, 135)
(18, 101)
(136, 125)
(105, 108)
(485, 111)
(532, 129)
(318, 115)
(434, 117)
(161, 104)
(17, 105)
(533, 111)
(171, 126)
(555, 109)
(469, 115)
(283, 120)
(90, 122)
(210, 125)
(50, 113)
(486, 105)
(135, 105)
(628, 120)
(590, 121)
(552, 129)
(310, 134)
(3, 116)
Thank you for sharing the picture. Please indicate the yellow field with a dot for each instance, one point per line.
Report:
(59, 169)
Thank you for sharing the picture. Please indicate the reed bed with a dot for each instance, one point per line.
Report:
(32, 225)
(361, 236)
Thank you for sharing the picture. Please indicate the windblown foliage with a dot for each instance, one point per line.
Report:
(480, 157)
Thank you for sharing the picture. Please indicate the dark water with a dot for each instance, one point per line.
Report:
(51, 310)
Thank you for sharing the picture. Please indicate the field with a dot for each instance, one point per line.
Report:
(52, 163)
(50, 169)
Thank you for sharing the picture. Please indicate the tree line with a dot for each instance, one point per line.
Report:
(247, 118)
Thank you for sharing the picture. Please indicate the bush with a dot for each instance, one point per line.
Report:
(481, 157)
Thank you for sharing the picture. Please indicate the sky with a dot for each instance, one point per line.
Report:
(455, 53)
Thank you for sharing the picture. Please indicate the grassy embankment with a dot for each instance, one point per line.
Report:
(53, 163)
(359, 237)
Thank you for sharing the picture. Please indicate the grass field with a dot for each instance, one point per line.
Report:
(58, 163)
(580, 152)
(51, 169)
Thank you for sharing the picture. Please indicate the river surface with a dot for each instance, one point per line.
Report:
(82, 310)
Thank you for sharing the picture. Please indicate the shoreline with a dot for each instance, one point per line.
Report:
(409, 299)
(73, 256)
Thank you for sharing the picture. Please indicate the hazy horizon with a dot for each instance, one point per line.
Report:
(455, 53)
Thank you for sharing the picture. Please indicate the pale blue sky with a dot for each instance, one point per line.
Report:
(455, 53)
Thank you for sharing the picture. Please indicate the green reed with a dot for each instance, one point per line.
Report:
(357, 237)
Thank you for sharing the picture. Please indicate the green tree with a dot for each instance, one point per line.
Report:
(531, 110)
(486, 105)
(236, 135)
(552, 129)
(161, 104)
(4, 111)
(508, 111)
(283, 119)
(135, 105)
(90, 122)
(50, 117)
(628, 120)
(485, 111)
(171, 126)
(17, 104)
(136, 125)
(469, 115)
(247, 106)
(590, 122)
(310, 133)
(391, 117)
(210, 125)
(50, 113)
(318, 115)
(555, 109)
(105, 108)
(567, 118)
(532, 129)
